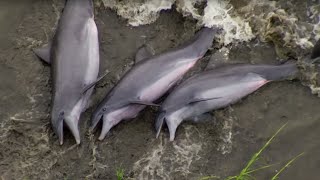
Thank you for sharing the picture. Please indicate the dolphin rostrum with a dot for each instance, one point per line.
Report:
(74, 58)
(149, 79)
(217, 88)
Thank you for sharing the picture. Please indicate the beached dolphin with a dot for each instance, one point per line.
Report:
(149, 79)
(74, 58)
(217, 88)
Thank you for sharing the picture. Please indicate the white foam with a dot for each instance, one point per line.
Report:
(180, 156)
(139, 12)
(216, 13)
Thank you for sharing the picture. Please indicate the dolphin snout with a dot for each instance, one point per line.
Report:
(96, 117)
(72, 123)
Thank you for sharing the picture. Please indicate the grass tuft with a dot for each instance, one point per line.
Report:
(120, 174)
(276, 176)
(246, 173)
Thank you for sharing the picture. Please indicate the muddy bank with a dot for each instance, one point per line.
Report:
(221, 147)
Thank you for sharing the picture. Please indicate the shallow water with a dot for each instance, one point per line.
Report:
(221, 147)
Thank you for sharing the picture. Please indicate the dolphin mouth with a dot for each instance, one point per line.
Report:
(159, 122)
(72, 125)
(95, 120)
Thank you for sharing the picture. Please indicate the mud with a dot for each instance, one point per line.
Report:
(220, 147)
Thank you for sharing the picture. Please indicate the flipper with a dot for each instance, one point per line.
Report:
(144, 103)
(196, 100)
(44, 52)
(144, 52)
(94, 83)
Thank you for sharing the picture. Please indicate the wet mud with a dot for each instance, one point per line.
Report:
(221, 147)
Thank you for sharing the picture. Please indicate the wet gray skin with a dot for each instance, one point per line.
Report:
(217, 88)
(74, 58)
(149, 79)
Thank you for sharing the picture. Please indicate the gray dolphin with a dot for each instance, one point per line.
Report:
(149, 79)
(217, 88)
(74, 58)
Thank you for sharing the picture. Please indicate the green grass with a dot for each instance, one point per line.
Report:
(246, 173)
(120, 174)
(276, 176)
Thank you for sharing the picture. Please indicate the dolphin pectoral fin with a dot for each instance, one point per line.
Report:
(144, 103)
(144, 52)
(94, 83)
(44, 53)
(196, 100)
(159, 123)
(73, 126)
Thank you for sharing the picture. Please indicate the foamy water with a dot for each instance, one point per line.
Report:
(236, 23)
(267, 21)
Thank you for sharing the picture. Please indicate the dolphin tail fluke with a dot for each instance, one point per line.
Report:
(159, 123)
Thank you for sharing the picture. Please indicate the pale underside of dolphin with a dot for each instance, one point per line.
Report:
(215, 89)
(74, 58)
(149, 79)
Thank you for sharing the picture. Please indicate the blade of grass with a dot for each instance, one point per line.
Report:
(276, 176)
(120, 174)
(260, 168)
(245, 172)
(209, 177)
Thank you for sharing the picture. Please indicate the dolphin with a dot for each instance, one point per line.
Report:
(74, 58)
(149, 79)
(217, 88)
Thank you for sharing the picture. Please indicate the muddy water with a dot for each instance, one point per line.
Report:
(220, 147)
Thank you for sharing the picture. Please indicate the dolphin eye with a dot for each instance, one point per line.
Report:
(104, 109)
(61, 113)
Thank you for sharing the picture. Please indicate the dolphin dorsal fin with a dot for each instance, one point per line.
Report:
(144, 52)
